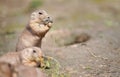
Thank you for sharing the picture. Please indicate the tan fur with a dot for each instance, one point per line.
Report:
(25, 71)
(27, 57)
(38, 26)
(6, 70)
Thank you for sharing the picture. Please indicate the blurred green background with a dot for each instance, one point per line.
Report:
(67, 14)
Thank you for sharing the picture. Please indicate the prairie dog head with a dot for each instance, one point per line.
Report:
(31, 54)
(41, 17)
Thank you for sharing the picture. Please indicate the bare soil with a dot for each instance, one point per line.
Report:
(98, 57)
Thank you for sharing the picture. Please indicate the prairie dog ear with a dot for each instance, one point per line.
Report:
(25, 53)
(33, 15)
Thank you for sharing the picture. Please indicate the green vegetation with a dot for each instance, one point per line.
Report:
(34, 4)
(109, 23)
(98, 1)
(52, 68)
(88, 68)
(10, 29)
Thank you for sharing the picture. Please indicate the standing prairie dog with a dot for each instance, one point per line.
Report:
(39, 24)
(27, 56)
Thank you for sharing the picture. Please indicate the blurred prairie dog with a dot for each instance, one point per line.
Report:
(26, 71)
(27, 57)
(39, 24)
(6, 70)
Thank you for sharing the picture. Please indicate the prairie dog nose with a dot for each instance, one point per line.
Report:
(48, 20)
(48, 17)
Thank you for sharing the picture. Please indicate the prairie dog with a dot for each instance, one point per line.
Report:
(6, 70)
(26, 71)
(27, 56)
(39, 24)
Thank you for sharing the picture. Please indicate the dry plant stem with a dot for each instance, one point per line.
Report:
(93, 54)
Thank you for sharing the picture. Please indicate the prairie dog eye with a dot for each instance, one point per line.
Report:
(40, 13)
(34, 51)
